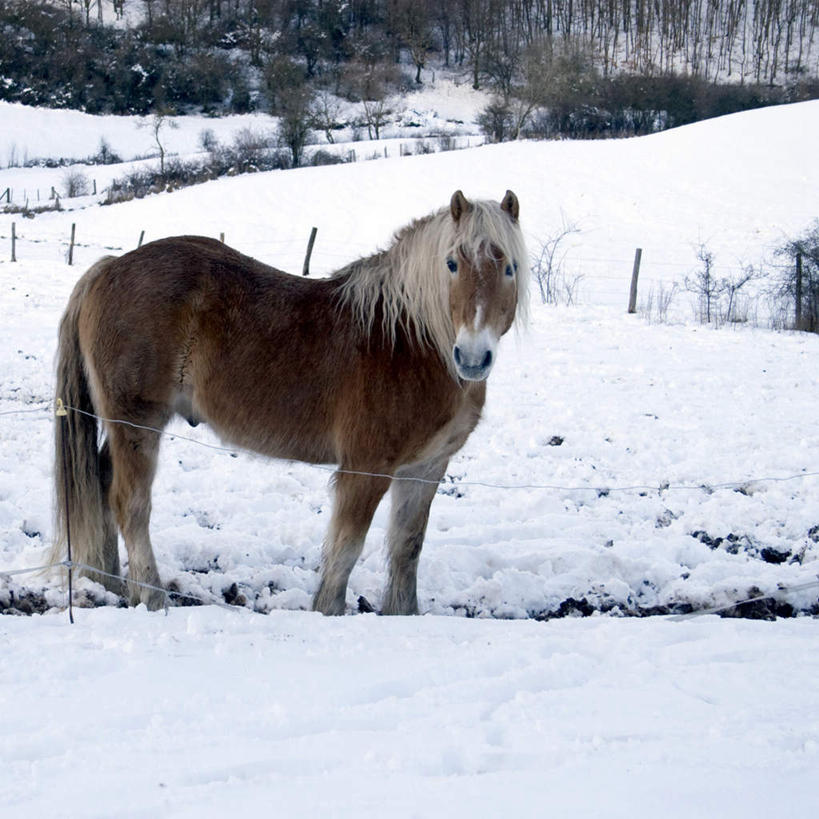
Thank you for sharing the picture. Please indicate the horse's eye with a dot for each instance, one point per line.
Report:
(452, 265)
(510, 271)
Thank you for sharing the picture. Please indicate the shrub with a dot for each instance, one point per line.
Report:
(75, 183)
(495, 121)
(803, 251)
(322, 157)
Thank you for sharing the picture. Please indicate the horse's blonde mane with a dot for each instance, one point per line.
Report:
(409, 281)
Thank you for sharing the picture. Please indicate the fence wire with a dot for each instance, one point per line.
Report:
(71, 565)
(600, 489)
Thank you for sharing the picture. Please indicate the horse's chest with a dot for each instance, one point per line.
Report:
(445, 439)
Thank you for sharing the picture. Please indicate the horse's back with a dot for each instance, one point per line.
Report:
(139, 312)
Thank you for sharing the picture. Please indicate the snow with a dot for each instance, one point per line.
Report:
(621, 466)
(207, 712)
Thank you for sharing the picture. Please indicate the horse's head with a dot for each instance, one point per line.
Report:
(484, 281)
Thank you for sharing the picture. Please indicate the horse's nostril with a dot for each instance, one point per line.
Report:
(457, 355)
(487, 360)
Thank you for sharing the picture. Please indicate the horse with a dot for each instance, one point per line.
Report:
(379, 369)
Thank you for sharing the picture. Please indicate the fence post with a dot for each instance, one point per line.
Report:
(222, 238)
(141, 237)
(798, 322)
(305, 271)
(71, 246)
(62, 414)
(13, 241)
(632, 296)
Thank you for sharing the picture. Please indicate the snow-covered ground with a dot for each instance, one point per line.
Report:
(208, 713)
(621, 466)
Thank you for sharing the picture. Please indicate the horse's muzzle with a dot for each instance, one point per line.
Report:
(474, 355)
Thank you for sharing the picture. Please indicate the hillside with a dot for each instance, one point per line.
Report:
(739, 184)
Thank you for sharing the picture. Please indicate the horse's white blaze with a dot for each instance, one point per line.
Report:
(476, 324)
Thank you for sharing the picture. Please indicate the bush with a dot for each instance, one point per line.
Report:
(104, 155)
(634, 105)
(804, 248)
(250, 151)
(321, 157)
(47, 58)
(495, 121)
(75, 183)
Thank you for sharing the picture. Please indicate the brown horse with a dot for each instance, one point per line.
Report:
(378, 369)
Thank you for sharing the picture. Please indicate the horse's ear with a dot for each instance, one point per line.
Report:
(511, 205)
(459, 205)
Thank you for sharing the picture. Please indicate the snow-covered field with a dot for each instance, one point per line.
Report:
(621, 466)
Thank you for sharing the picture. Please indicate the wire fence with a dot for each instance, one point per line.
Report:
(668, 288)
(592, 266)
(170, 595)
(602, 489)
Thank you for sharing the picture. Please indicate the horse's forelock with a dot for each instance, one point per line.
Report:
(485, 225)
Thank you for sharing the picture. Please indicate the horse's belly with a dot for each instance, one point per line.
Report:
(282, 439)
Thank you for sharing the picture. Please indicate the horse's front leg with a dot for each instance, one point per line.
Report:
(356, 499)
(412, 494)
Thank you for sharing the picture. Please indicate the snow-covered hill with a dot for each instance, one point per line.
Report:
(739, 184)
(621, 466)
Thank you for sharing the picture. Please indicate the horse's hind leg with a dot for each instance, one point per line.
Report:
(412, 494)
(133, 455)
(110, 550)
(356, 499)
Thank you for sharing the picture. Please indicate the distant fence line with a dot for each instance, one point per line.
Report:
(629, 283)
(365, 151)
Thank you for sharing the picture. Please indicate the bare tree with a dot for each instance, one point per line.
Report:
(75, 183)
(732, 286)
(704, 284)
(160, 121)
(412, 22)
(368, 81)
(325, 114)
(547, 266)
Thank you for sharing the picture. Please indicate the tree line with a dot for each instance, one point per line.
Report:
(574, 67)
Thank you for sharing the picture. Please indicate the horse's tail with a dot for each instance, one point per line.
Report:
(80, 506)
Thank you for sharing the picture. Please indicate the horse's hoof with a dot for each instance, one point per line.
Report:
(154, 599)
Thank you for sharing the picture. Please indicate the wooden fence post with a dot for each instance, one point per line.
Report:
(798, 322)
(13, 241)
(141, 237)
(305, 271)
(222, 238)
(632, 296)
(71, 246)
